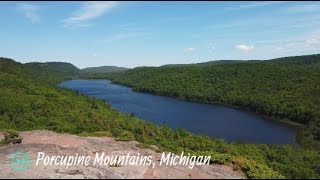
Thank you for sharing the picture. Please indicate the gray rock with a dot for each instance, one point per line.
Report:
(54, 144)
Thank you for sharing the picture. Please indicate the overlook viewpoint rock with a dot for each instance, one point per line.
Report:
(55, 144)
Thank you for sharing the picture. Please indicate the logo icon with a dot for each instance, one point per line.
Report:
(20, 161)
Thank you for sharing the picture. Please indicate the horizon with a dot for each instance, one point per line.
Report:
(135, 34)
(163, 64)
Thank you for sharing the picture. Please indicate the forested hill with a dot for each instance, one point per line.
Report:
(30, 100)
(291, 60)
(17, 71)
(297, 60)
(95, 72)
(207, 63)
(285, 89)
(64, 69)
(104, 69)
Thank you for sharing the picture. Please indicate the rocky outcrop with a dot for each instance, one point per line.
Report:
(54, 144)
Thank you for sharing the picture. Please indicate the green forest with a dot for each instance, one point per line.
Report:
(283, 89)
(31, 100)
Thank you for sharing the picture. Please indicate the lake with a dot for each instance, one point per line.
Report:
(231, 124)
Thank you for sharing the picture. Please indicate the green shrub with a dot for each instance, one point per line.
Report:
(125, 136)
(219, 158)
(255, 170)
(11, 136)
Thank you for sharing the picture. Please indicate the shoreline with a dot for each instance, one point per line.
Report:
(298, 127)
(274, 119)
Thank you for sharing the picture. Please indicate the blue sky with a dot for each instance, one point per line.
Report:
(131, 34)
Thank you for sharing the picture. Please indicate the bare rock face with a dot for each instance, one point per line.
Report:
(54, 144)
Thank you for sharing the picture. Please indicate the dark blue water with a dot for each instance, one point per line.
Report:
(231, 124)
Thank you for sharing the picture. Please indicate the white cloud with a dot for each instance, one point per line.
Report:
(190, 49)
(89, 11)
(303, 44)
(94, 54)
(243, 47)
(30, 12)
(312, 42)
(295, 46)
(211, 48)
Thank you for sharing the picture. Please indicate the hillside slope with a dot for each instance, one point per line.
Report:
(286, 89)
(95, 72)
(291, 60)
(31, 101)
(61, 69)
(217, 62)
(104, 69)
(298, 60)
